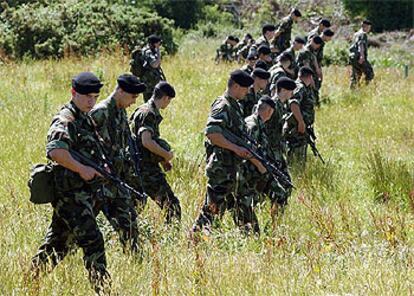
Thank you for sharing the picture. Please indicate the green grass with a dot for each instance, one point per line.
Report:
(335, 238)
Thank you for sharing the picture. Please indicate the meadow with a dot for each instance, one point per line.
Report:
(348, 228)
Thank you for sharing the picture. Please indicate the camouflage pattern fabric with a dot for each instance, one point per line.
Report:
(259, 42)
(293, 65)
(225, 53)
(248, 102)
(297, 144)
(276, 72)
(73, 219)
(151, 75)
(112, 125)
(247, 68)
(360, 39)
(308, 57)
(148, 118)
(252, 183)
(222, 164)
(282, 42)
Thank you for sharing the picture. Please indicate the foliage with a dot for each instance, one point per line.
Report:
(78, 27)
(385, 15)
(333, 239)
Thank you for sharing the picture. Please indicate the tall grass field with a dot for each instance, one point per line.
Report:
(348, 228)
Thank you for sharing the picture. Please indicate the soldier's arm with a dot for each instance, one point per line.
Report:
(219, 140)
(155, 59)
(294, 107)
(65, 159)
(153, 146)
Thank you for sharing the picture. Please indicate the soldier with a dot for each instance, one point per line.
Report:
(251, 61)
(318, 30)
(261, 78)
(144, 123)
(223, 156)
(243, 48)
(226, 50)
(281, 69)
(281, 40)
(326, 36)
(308, 57)
(358, 57)
(261, 64)
(76, 185)
(251, 181)
(274, 131)
(297, 46)
(263, 53)
(302, 108)
(152, 71)
(111, 121)
(268, 31)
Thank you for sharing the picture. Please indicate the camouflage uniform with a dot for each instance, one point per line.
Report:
(225, 53)
(151, 76)
(73, 219)
(297, 143)
(274, 131)
(276, 72)
(282, 42)
(252, 182)
(293, 65)
(360, 38)
(248, 102)
(259, 42)
(148, 118)
(319, 52)
(308, 57)
(112, 125)
(222, 164)
(247, 68)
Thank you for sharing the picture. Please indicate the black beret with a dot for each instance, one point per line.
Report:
(261, 64)
(296, 12)
(300, 40)
(236, 39)
(367, 22)
(166, 88)
(154, 39)
(317, 40)
(86, 83)
(131, 84)
(248, 35)
(267, 28)
(231, 37)
(267, 100)
(252, 56)
(328, 32)
(305, 71)
(326, 23)
(285, 56)
(261, 73)
(264, 49)
(286, 83)
(241, 78)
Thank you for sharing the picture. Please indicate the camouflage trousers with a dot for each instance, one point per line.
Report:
(154, 184)
(358, 70)
(252, 186)
(297, 152)
(74, 222)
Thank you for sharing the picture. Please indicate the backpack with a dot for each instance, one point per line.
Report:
(137, 62)
(41, 184)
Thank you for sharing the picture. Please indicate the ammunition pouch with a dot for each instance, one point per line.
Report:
(42, 184)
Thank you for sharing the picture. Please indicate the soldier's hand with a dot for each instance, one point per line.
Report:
(262, 169)
(166, 165)
(243, 152)
(301, 127)
(170, 155)
(87, 173)
(361, 60)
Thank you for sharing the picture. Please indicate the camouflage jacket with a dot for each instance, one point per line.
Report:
(248, 102)
(274, 126)
(276, 72)
(72, 129)
(303, 96)
(247, 68)
(259, 42)
(283, 40)
(360, 38)
(112, 125)
(307, 57)
(151, 76)
(147, 118)
(314, 32)
(319, 52)
(225, 115)
(293, 65)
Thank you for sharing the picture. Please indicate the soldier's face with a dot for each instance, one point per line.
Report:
(86, 102)
(270, 34)
(165, 101)
(366, 28)
(128, 99)
(262, 83)
(267, 113)
(297, 46)
(240, 91)
(284, 95)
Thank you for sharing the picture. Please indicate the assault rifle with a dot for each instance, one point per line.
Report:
(114, 179)
(311, 138)
(136, 158)
(277, 174)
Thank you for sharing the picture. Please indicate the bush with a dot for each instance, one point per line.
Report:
(82, 28)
